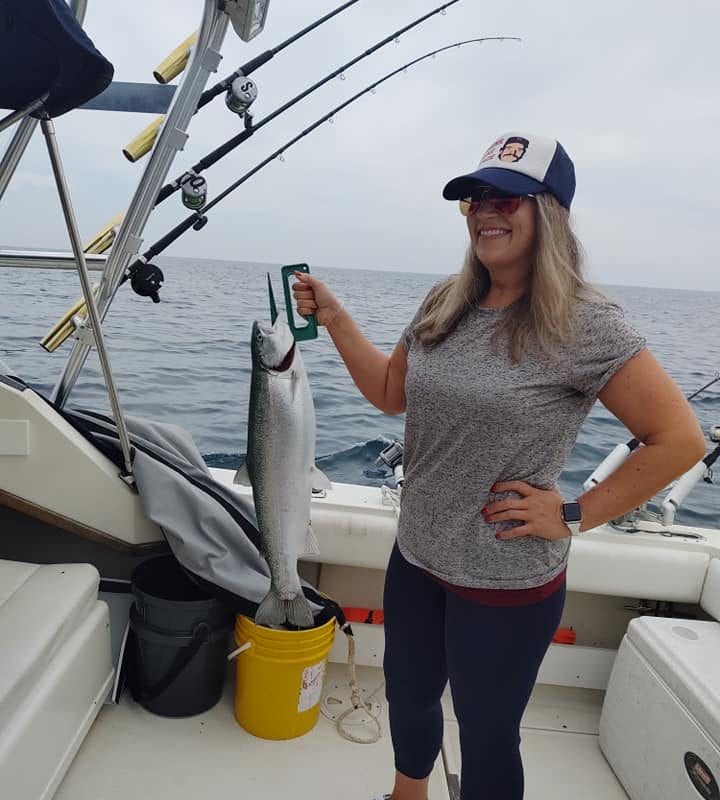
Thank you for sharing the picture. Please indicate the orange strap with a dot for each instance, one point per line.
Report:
(368, 616)
(564, 636)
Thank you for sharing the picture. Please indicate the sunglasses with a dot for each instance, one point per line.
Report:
(489, 202)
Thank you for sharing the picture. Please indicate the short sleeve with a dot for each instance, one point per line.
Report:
(605, 341)
(408, 335)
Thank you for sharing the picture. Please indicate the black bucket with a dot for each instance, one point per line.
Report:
(178, 663)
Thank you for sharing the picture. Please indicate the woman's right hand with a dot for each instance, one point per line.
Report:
(312, 296)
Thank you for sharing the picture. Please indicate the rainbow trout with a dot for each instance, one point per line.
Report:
(280, 467)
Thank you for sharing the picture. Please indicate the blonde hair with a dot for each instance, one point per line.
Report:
(544, 313)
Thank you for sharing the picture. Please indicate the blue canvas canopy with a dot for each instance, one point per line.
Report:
(43, 50)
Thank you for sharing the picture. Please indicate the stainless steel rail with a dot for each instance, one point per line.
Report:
(30, 259)
(95, 327)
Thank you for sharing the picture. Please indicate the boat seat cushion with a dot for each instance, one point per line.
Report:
(710, 600)
(40, 607)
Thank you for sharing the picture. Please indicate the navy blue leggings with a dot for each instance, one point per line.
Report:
(490, 655)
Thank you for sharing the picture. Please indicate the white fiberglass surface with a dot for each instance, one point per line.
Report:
(560, 750)
(130, 752)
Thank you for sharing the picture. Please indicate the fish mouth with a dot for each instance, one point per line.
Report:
(285, 364)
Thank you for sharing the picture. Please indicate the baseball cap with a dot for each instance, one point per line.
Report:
(520, 164)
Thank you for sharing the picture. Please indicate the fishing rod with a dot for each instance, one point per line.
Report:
(195, 187)
(146, 279)
(240, 92)
(622, 451)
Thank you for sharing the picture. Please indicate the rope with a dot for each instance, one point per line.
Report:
(391, 497)
(356, 698)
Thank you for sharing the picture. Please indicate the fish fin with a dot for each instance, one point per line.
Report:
(312, 546)
(271, 610)
(242, 476)
(299, 612)
(275, 611)
(319, 479)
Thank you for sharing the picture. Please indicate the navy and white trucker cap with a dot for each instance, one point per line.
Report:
(520, 164)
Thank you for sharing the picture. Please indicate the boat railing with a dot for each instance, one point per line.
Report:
(49, 259)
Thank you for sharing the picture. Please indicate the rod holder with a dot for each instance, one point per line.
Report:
(175, 63)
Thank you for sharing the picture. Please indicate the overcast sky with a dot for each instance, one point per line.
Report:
(629, 88)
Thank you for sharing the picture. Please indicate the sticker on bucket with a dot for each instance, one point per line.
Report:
(311, 686)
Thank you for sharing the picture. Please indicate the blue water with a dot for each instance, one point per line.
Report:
(187, 360)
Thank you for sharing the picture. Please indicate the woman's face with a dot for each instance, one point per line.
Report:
(504, 240)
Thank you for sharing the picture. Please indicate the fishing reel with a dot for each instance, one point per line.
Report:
(146, 280)
(194, 190)
(392, 457)
(241, 94)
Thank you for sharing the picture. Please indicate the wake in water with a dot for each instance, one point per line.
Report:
(355, 464)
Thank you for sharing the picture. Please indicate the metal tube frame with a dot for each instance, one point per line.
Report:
(48, 130)
(205, 59)
(21, 138)
(15, 151)
(21, 113)
(31, 259)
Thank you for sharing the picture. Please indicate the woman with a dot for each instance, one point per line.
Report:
(497, 372)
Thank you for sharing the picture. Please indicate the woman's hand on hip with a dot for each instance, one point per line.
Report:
(312, 296)
(537, 509)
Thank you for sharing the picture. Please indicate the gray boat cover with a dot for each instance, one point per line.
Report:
(211, 530)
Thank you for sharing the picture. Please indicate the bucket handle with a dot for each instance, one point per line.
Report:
(241, 649)
(201, 634)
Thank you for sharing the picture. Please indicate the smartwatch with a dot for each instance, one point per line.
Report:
(571, 515)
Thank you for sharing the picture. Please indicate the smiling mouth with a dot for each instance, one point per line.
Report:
(488, 233)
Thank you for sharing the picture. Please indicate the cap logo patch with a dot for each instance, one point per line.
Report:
(510, 150)
(514, 149)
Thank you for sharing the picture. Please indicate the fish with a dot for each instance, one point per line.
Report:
(280, 468)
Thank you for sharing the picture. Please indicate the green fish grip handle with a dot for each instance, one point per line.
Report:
(302, 333)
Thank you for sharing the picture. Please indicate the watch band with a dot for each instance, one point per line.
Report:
(574, 527)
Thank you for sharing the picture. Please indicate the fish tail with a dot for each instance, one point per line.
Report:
(299, 612)
(273, 610)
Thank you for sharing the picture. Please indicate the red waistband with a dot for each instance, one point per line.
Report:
(506, 597)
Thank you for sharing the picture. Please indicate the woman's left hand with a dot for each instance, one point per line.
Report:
(538, 510)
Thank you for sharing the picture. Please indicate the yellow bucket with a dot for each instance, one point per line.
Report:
(279, 679)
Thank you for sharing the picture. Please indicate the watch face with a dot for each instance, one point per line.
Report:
(571, 512)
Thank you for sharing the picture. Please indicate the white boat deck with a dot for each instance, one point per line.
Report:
(561, 755)
(130, 752)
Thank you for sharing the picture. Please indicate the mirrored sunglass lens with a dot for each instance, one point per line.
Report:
(503, 205)
(506, 205)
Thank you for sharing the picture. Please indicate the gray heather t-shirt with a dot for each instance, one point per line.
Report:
(474, 418)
